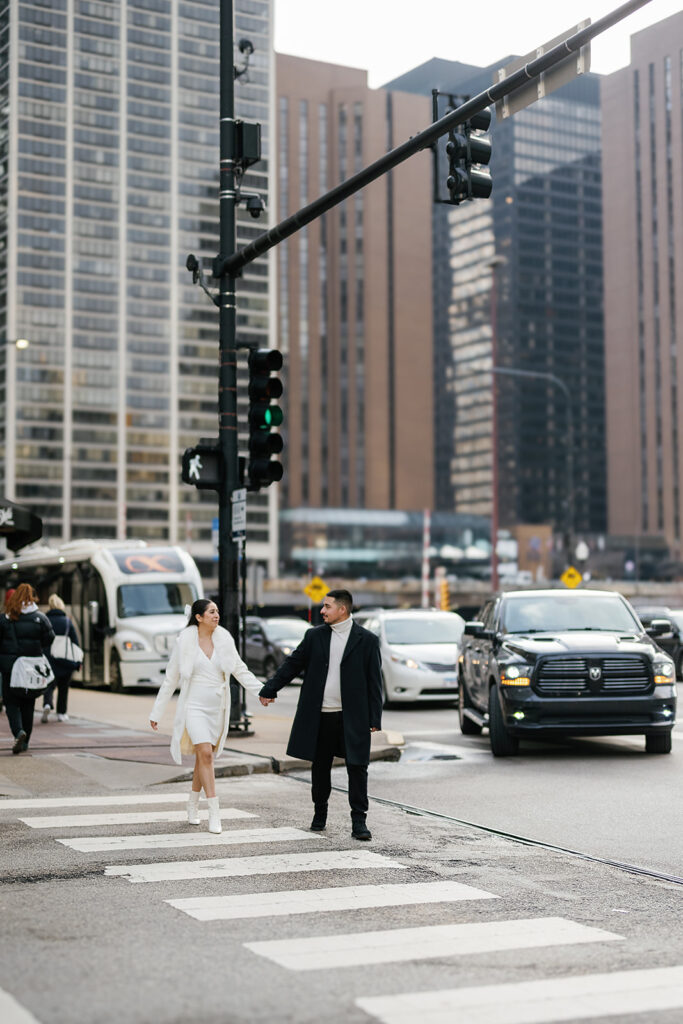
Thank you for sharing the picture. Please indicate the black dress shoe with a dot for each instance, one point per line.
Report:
(359, 830)
(20, 743)
(319, 822)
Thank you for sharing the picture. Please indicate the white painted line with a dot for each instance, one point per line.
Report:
(401, 944)
(12, 1012)
(235, 837)
(316, 901)
(125, 818)
(134, 799)
(233, 867)
(537, 1002)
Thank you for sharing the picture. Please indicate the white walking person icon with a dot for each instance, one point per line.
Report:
(195, 466)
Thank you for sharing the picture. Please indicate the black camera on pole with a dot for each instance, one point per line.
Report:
(264, 390)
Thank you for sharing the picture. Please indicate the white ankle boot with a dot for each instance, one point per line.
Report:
(193, 807)
(214, 815)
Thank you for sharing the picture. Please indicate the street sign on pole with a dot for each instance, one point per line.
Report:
(577, 63)
(316, 589)
(571, 577)
(238, 499)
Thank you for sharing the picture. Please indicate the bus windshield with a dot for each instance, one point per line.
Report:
(153, 599)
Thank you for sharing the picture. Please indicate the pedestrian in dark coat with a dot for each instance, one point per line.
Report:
(340, 704)
(63, 670)
(24, 632)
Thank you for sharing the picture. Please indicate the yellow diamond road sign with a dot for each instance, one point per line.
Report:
(571, 577)
(316, 589)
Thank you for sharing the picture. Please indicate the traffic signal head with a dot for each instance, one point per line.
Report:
(465, 148)
(263, 416)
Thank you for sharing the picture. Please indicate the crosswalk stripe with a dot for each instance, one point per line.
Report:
(267, 864)
(135, 799)
(315, 901)
(12, 1012)
(426, 943)
(125, 818)
(100, 844)
(552, 1000)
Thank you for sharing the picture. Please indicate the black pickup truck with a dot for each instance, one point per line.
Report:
(573, 663)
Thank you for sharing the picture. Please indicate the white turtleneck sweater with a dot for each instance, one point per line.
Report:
(332, 695)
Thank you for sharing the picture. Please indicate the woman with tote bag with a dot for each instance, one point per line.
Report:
(65, 657)
(25, 639)
(204, 658)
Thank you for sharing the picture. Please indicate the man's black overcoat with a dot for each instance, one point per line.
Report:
(361, 691)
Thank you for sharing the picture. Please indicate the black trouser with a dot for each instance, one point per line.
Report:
(331, 739)
(19, 709)
(61, 682)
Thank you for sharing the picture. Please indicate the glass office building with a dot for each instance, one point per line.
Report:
(528, 261)
(108, 179)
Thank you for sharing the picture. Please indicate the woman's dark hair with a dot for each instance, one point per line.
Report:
(198, 608)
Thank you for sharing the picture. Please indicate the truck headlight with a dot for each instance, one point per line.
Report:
(516, 675)
(664, 670)
(132, 645)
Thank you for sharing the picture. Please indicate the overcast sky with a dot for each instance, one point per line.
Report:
(388, 37)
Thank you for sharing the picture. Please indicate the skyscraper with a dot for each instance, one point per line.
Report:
(643, 246)
(530, 260)
(355, 315)
(109, 177)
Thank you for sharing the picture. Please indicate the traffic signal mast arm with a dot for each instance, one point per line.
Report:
(232, 264)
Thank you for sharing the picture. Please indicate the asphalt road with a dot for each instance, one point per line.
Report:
(603, 797)
(113, 908)
(108, 919)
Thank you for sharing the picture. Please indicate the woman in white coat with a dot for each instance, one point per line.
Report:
(204, 658)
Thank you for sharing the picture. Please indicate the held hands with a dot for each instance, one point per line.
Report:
(267, 700)
(373, 728)
(154, 725)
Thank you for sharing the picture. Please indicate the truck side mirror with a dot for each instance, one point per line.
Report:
(474, 628)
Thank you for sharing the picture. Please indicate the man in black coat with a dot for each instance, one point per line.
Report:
(340, 704)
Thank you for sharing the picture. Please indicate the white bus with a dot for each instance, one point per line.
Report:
(127, 601)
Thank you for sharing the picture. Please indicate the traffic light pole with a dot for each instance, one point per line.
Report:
(231, 262)
(228, 553)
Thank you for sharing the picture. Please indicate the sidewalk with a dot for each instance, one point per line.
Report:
(105, 727)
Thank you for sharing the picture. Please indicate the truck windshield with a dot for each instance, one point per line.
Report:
(153, 599)
(558, 613)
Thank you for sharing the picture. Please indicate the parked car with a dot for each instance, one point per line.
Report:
(671, 639)
(419, 652)
(548, 662)
(270, 641)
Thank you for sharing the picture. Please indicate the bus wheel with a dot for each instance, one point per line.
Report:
(115, 679)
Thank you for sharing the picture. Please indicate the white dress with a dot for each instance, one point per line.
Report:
(206, 700)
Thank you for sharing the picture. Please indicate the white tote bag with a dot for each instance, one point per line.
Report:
(32, 674)
(64, 649)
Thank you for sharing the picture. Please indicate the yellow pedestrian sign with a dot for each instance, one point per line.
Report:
(316, 589)
(571, 577)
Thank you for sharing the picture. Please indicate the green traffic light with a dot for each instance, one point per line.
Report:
(272, 416)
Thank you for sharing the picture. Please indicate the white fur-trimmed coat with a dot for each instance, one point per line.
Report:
(179, 673)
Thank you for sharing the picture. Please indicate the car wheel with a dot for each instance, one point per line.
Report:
(467, 726)
(269, 667)
(658, 743)
(386, 703)
(503, 744)
(115, 677)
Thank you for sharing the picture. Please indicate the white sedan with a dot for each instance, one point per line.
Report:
(419, 652)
